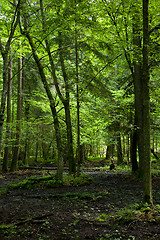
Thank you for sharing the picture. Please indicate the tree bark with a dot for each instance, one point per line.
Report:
(8, 133)
(119, 150)
(137, 79)
(147, 192)
(134, 150)
(5, 52)
(66, 103)
(78, 107)
(14, 164)
(52, 105)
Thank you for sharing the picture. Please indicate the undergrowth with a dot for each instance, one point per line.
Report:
(49, 181)
(137, 212)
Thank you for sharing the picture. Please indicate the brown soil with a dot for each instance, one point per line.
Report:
(39, 214)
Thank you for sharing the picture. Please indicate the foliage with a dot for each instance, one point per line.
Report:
(83, 179)
(3, 190)
(49, 181)
(129, 214)
(45, 181)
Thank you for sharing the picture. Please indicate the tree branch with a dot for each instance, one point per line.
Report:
(13, 25)
(155, 28)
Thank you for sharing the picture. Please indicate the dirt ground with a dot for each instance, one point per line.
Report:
(39, 214)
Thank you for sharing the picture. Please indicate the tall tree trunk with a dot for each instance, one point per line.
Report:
(8, 133)
(137, 79)
(26, 147)
(66, 103)
(65, 100)
(5, 51)
(147, 192)
(3, 97)
(14, 165)
(78, 106)
(52, 104)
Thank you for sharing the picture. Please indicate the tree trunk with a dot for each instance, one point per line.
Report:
(36, 152)
(137, 79)
(70, 154)
(26, 147)
(66, 103)
(52, 105)
(119, 150)
(65, 100)
(14, 165)
(3, 97)
(78, 107)
(109, 152)
(5, 51)
(8, 133)
(147, 192)
(134, 150)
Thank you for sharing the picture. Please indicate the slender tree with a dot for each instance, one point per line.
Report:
(8, 132)
(147, 193)
(14, 165)
(26, 33)
(5, 48)
(65, 99)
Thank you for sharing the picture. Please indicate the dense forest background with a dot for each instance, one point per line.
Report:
(80, 79)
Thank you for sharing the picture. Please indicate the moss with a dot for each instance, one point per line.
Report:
(51, 181)
(45, 181)
(3, 191)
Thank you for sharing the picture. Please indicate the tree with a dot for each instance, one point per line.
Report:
(5, 44)
(14, 165)
(140, 72)
(65, 99)
(8, 130)
(26, 33)
(147, 193)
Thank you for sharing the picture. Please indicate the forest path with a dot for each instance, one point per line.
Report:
(67, 212)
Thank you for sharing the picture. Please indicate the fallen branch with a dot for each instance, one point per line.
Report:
(38, 219)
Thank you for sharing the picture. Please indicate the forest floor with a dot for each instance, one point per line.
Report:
(103, 209)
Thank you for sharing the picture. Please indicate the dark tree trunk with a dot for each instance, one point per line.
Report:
(147, 192)
(109, 152)
(70, 154)
(8, 132)
(137, 77)
(26, 147)
(119, 150)
(134, 150)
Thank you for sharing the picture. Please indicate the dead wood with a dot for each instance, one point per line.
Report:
(38, 219)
